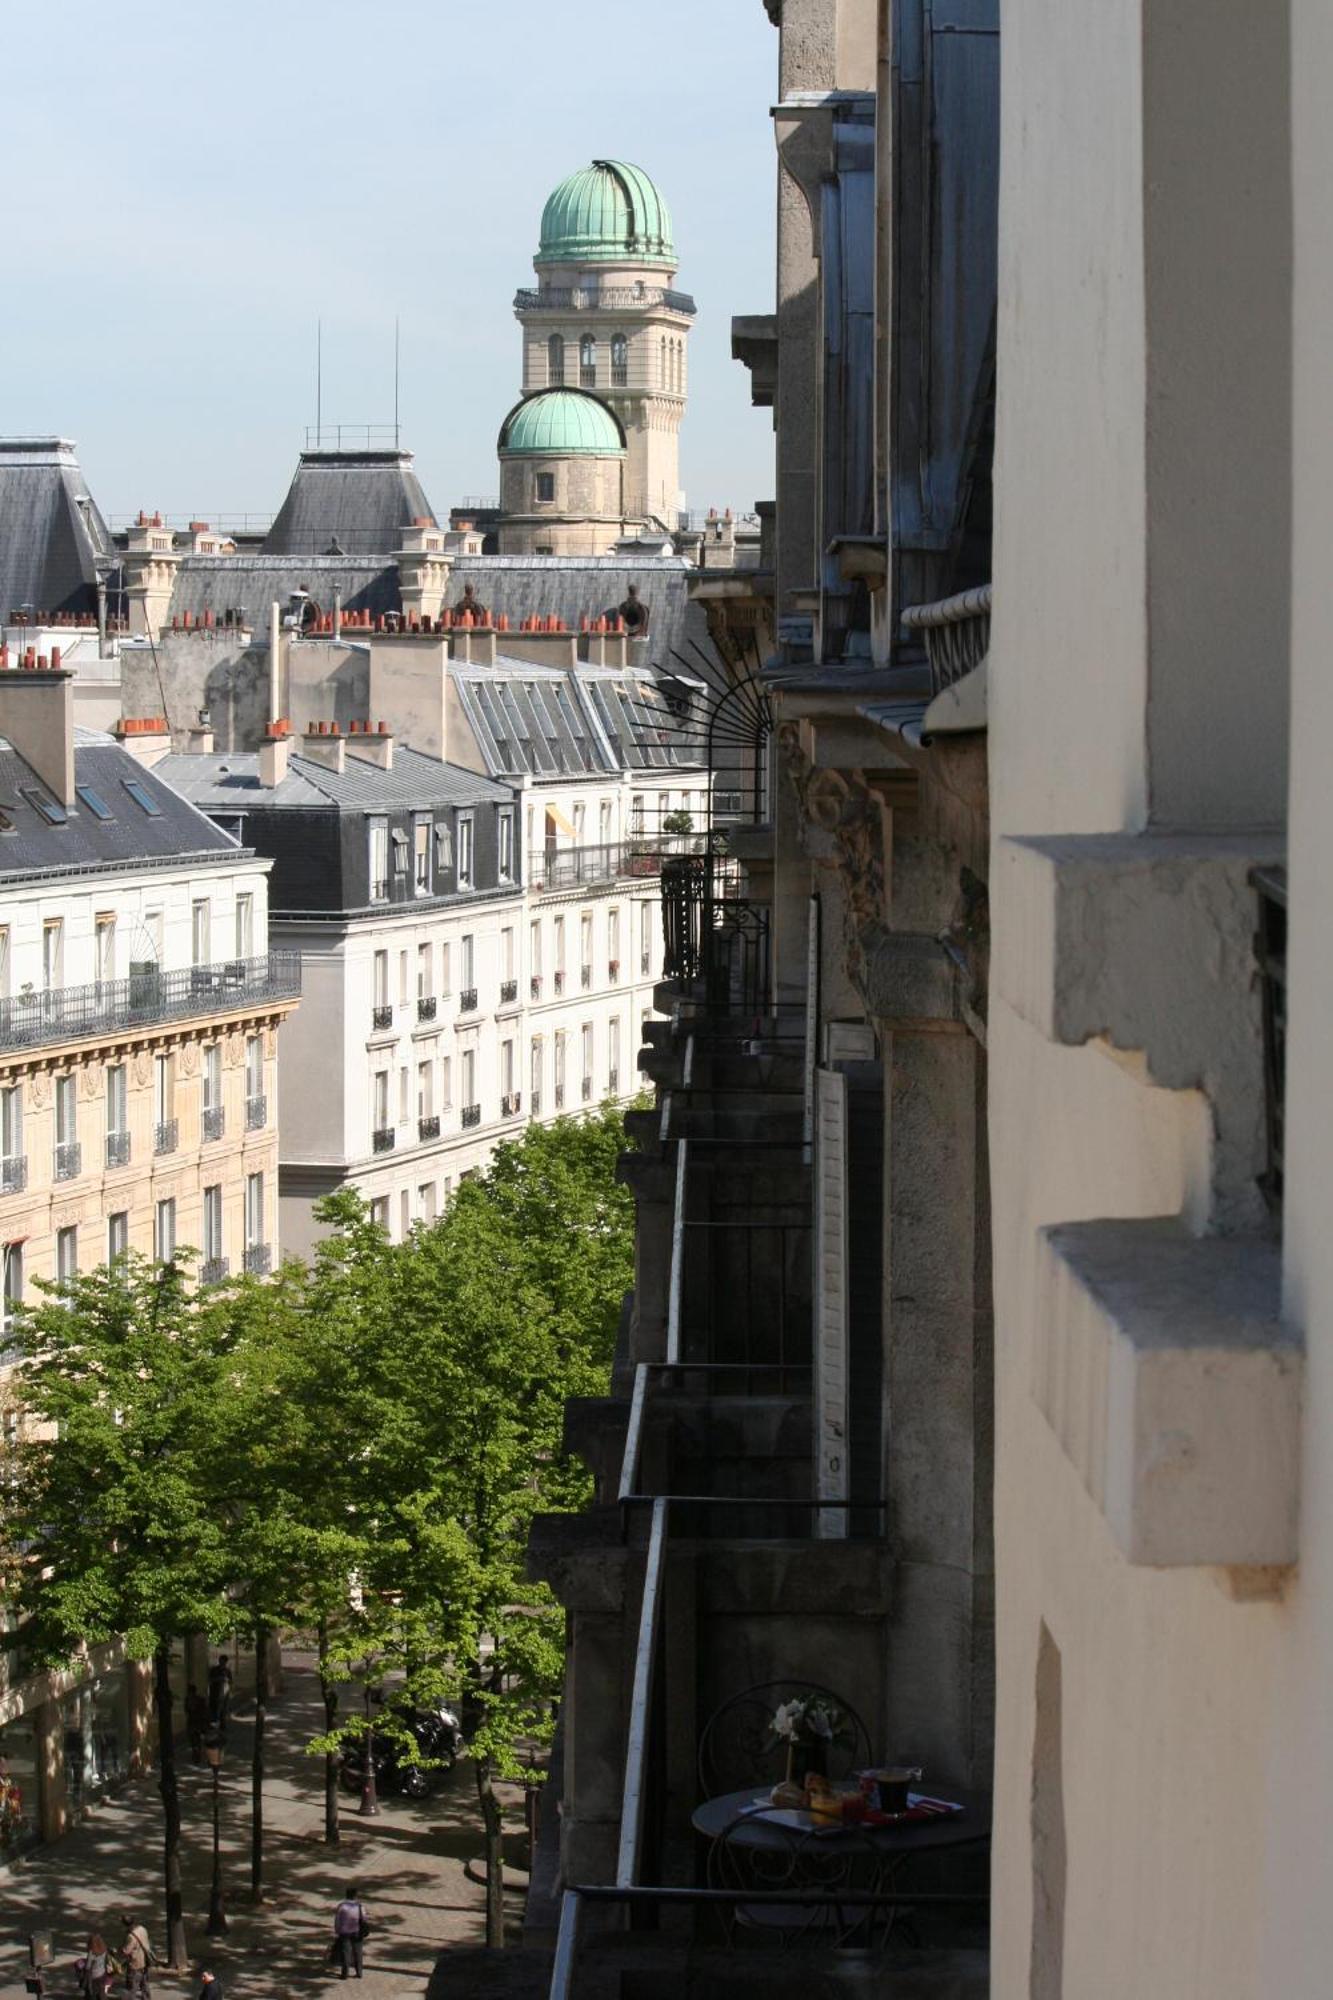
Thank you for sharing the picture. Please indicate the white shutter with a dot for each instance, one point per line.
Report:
(830, 1299)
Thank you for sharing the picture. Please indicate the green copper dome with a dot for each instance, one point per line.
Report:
(562, 420)
(610, 212)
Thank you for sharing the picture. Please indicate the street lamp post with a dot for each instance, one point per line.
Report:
(217, 1916)
(370, 1805)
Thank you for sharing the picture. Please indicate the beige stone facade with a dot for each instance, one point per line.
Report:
(585, 512)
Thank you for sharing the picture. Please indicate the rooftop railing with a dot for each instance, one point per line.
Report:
(590, 298)
(74, 1013)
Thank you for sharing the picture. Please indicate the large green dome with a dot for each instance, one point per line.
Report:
(561, 420)
(609, 212)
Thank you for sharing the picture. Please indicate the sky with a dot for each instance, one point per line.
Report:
(189, 191)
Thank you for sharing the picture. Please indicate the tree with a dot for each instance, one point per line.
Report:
(108, 1529)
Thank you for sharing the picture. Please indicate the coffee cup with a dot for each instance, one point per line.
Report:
(887, 1788)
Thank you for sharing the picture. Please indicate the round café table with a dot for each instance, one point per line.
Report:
(755, 1845)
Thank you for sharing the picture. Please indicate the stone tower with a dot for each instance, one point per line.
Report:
(603, 318)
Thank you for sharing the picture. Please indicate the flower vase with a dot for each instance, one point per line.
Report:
(805, 1760)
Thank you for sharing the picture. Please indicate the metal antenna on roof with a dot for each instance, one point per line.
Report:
(319, 384)
(395, 381)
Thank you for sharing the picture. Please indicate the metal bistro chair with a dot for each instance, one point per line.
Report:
(756, 1853)
(737, 1746)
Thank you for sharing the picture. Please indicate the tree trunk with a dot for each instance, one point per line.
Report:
(177, 1954)
(491, 1820)
(330, 1694)
(257, 1766)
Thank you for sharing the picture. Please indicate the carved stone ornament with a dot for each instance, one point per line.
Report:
(270, 1042)
(234, 1051)
(90, 1082)
(143, 1067)
(852, 815)
(41, 1089)
(189, 1059)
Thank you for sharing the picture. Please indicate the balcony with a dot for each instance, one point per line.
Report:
(215, 1121)
(256, 1112)
(428, 1128)
(956, 632)
(471, 1116)
(426, 1006)
(14, 1174)
(111, 1006)
(593, 298)
(467, 1000)
(117, 1149)
(508, 992)
(383, 1140)
(381, 1018)
(258, 1259)
(511, 1104)
(535, 986)
(214, 1269)
(637, 859)
(166, 1136)
(613, 971)
(559, 981)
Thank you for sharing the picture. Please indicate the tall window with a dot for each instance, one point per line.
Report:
(560, 1040)
(645, 939)
(245, 926)
(664, 378)
(421, 856)
(613, 936)
(505, 844)
(535, 1073)
(213, 1223)
(545, 487)
(555, 358)
(587, 1053)
(398, 845)
(402, 1093)
(468, 954)
(53, 953)
(604, 822)
(104, 949)
(507, 952)
(587, 362)
(468, 1060)
(585, 939)
(4, 962)
(164, 1090)
(164, 1231)
(446, 1082)
(535, 948)
(254, 1211)
(613, 1054)
(199, 930)
(213, 1091)
(380, 979)
(11, 1128)
(444, 969)
(67, 1130)
(619, 361)
(67, 1255)
(559, 945)
(117, 1101)
(379, 860)
(117, 1235)
(254, 1066)
(402, 979)
(507, 1068)
(381, 1100)
(636, 813)
(425, 1090)
(426, 1202)
(423, 972)
(580, 817)
(465, 850)
(11, 1292)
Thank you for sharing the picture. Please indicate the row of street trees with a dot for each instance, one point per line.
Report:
(354, 1449)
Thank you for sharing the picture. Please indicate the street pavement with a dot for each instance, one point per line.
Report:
(408, 1864)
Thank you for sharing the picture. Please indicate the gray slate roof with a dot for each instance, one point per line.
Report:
(570, 586)
(250, 583)
(229, 780)
(47, 540)
(131, 835)
(361, 499)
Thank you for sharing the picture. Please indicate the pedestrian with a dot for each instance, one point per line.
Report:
(95, 1973)
(210, 1986)
(139, 1957)
(219, 1694)
(196, 1722)
(350, 1931)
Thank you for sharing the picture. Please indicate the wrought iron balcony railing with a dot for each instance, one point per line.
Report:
(213, 1270)
(258, 1259)
(508, 992)
(511, 1104)
(117, 1149)
(14, 1174)
(639, 858)
(215, 1121)
(256, 1112)
(383, 1140)
(535, 986)
(956, 632)
(428, 1128)
(166, 1136)
(426, 1007)
(467, 1000)
(613, 971)
(559, 982)
(73, 1013)
(471, 1115)
(381, 1018)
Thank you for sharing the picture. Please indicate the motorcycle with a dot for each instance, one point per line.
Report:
(438, 1735)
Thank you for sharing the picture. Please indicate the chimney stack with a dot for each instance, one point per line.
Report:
(37, 715)
(324, 744)
(372, 743)
(273, 754)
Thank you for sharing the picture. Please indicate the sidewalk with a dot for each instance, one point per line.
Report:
(408, 1865)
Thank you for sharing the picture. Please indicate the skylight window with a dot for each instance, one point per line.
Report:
(142, 797)
(50, 809)
(94, 801)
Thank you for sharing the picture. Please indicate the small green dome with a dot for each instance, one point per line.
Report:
(609, 212)
(562, 420)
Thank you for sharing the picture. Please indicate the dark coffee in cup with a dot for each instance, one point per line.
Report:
(887, 1788)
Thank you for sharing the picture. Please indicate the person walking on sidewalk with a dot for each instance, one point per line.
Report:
(95, 1975)
(138, 1956)
(219, 1694)
(210, 1986)
(350, 1931)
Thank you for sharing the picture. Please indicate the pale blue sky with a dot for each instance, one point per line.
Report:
(189, 189)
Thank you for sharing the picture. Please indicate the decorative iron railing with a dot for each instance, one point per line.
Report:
(14, 1174)
(471, 1115)
(383, 1140)
(428, 1128)
(69, 1160)
(117, 1149)
(511, 1104)
(381, 1018)
(426, 1006)
(166, 1136)
(590, 298)
(606, 861)
(213, 1270)
(535, 986)
(256, 1112)
(467, 1000)
(258, 1259)
(215, 1121)
(70, 1013)
(508, 992)
(956, 631)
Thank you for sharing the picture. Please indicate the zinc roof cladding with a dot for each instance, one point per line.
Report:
(49, 542)
(178, 832)
(251, 583)
(568, 421)
(553, 723)
(362, 500)
(572, 586)
(607, 212)
(229, 781)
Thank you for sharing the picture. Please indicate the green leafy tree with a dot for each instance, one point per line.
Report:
(108, 1528)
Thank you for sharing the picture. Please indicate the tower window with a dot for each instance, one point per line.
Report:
(555, 358)
(588, 362)
(546, 486)
(619, 361)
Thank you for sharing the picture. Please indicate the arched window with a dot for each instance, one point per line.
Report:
(588, 362)
(555, 358)
(680, 366)
(666, 379)
(619, 361)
